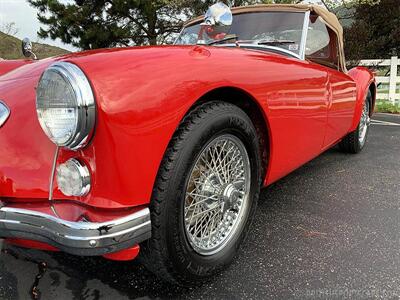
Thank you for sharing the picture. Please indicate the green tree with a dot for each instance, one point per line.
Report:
(375, 32)
(198, 7)
(332, 4)
(90, 24)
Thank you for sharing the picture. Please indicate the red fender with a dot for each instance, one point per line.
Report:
(9, 65)
(364, 78)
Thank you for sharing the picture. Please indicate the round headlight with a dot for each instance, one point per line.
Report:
(65, 105)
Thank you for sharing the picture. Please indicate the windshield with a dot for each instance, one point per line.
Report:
(277, 29)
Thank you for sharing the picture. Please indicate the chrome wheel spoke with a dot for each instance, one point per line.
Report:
(217, 194)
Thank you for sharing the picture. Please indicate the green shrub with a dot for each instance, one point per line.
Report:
(387, 107)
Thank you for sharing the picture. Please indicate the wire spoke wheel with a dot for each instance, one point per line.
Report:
(364, 123)
(217, 194)
(355, 140)
(205, 196)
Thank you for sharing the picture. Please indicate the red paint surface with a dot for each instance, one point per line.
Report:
(26, 152)
(124, 255)
(341, 105)
(364, 79)
(9, 65)
(31, 244)
(143, 93)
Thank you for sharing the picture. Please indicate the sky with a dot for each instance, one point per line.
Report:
(24, 17)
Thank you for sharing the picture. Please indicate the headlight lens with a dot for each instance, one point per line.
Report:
(65, 105)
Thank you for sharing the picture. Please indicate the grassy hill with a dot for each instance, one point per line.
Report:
(10, 48)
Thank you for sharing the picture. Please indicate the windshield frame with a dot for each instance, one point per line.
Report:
(300, 55)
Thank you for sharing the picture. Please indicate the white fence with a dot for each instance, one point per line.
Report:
(392, 93)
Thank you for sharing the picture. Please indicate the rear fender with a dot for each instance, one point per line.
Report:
(363, 78)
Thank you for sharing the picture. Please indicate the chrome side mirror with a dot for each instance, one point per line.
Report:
(27, 48)
(218, 14)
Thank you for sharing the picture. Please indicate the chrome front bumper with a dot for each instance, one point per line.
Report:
(80, 238)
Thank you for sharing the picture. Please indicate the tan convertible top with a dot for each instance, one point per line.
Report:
(329, 18)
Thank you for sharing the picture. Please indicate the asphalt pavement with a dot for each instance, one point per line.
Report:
(330, 230)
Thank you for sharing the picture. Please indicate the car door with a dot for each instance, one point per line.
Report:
(297, 113)
(341, 106)
(322, 48)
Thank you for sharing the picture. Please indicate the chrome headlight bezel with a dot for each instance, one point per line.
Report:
(84, 101)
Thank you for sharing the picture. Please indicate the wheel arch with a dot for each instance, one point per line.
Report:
(251, 107)
(365, 82)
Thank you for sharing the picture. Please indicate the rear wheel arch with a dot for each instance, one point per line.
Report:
(251, 107)
(365, 83)
(355, 141)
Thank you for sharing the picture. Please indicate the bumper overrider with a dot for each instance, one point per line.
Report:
(79, 238)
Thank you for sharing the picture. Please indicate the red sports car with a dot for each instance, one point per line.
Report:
(161, 151)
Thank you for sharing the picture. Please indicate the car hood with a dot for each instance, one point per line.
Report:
(122, 80)
(19, 69)
(9, 65)
(107, 58)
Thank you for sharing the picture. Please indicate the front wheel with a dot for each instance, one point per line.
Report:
(205, 195)
(355, 141)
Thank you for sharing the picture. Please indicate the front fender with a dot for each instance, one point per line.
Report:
(9, 65)
(363, 78)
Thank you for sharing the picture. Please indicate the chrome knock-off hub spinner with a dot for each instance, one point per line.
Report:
(229, 197)
(210, 188)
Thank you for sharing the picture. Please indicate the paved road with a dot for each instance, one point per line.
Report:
(329, 230)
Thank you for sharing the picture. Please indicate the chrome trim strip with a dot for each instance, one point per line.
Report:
(4, 113)
(81, 238)
(51, 183)
(53, 170)
(304, 35)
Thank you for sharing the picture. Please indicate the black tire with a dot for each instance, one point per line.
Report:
(168, 253)
(351, 143)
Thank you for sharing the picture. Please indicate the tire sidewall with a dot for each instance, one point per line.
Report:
(360, 145)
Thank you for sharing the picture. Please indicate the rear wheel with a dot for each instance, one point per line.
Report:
(205, 195)
(355, 141)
